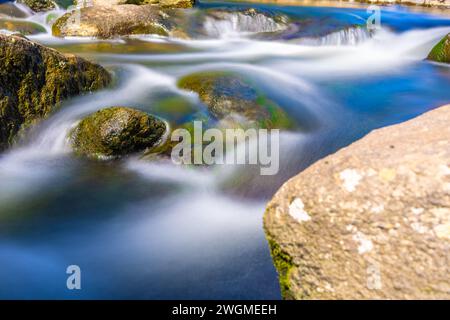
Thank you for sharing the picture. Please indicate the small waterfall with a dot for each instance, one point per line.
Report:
(351, 36)
(235, 24)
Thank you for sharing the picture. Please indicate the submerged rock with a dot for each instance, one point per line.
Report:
(39, 5)
(117, 20)
(234, 101)
(370, 221)
(34, 79)
(116, 131)
(225, 23)
(441, 52)
(20, 26)
(9, 9)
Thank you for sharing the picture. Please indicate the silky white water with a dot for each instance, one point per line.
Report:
(149, 229)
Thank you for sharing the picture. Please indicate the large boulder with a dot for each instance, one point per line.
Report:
(235, 101)
(161, 3)
(116, 131)
(115, 20)
(39, 5)
(34, 79)
(441, 52)
(370, 221)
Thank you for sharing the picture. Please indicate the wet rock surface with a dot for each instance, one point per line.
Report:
(371, 220)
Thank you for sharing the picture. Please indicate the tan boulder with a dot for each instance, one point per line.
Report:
(371, 221)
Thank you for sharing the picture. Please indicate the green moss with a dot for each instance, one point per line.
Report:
(284, 265)
(174, 108)
(441, 52)
(23, 27)
(202, 83)
(116, 131)
(65, 3)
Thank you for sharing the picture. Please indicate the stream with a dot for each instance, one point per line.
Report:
(154, 230)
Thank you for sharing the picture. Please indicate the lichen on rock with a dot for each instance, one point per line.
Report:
(116, 131)
(34, 80)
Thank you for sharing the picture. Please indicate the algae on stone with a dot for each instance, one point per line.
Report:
(283, 264)
(235, 101)
(22, 27)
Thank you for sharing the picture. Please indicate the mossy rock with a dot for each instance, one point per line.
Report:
(116, 131)
(112, 21)
(35, 79)
(165, 3)
(22, 27)
(235, 101)
(441, 52)
(39, 5)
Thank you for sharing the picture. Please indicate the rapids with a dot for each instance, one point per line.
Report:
(141, 229)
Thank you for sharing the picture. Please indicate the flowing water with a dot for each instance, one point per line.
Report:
(142, 229)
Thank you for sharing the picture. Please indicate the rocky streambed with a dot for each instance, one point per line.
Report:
(90, 95)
